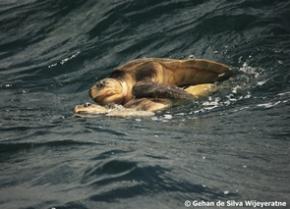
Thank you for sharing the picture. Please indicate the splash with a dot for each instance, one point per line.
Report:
(63, 61)
(236, 89)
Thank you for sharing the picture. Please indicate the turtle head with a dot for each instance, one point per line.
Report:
(107, 91)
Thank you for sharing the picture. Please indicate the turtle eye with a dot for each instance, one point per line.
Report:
(100, 84)
(87, 104)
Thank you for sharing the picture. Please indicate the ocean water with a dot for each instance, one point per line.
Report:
(233, 145)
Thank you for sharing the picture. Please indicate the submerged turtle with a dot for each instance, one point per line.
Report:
(144, 86)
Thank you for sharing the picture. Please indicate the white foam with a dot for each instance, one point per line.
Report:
(69, 58)
(63, 61)
(269, 105)
(168, 116)
(280, 62)
(226, 192)
(249, 70)
(284, 93)
(261, 83)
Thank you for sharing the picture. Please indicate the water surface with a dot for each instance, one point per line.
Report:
(232, 145)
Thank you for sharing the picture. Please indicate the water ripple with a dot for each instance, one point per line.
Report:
(226, 146)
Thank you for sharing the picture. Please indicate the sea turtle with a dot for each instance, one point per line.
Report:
(144, 86)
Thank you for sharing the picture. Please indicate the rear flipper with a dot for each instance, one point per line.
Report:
(201, 90)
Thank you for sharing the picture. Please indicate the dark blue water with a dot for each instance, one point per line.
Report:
(233, 145)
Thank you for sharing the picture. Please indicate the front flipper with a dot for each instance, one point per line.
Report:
(145, 104)
(201, 90)
(153, 90)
